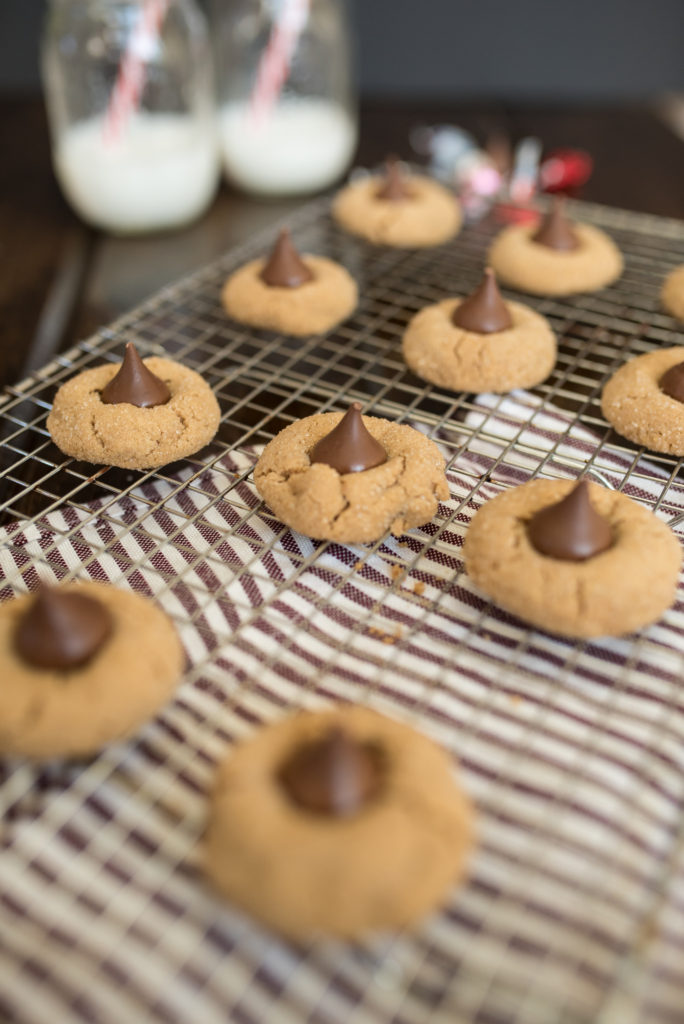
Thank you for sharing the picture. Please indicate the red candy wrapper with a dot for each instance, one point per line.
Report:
(565, 170)
(499, 176)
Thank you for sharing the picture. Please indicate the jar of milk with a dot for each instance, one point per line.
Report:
(129, 92)
(288, 118)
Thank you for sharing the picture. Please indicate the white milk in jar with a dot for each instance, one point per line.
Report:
(128, 88)
(299, 146)
(161, 172)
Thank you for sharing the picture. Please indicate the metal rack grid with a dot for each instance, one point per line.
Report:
(574, 909)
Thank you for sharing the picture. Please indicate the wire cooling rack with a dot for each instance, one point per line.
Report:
(573, 752)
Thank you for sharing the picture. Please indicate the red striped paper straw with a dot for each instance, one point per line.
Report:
(276, 60)
(130, 80)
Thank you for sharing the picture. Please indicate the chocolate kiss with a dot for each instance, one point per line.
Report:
(570, 529)
(394, 187)
(483, 312)
(556, 231)
(285, 267)
(61, 630)
(135, 384)
(334, 775)
(349, 447)
(672, 382)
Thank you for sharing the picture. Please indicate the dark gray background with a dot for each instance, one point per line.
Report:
(452, 49)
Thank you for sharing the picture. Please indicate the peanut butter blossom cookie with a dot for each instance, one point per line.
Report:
(573, 558)
(397, 209)
(644, 400)
(138, 415)
(480, 343)
(82, 665)
(351, 478)
(673, 293)
(341, 822)
(555, 257)
(290, 293)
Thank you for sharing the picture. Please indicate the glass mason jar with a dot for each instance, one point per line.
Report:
(129, 93)
(288, 118)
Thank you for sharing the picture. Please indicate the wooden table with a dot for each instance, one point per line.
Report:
(62, 280)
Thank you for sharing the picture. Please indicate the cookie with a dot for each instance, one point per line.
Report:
(625, 587)
(672, 294)
(131, 436)
(351, 507)
(451, 356)
(291, 294)
(374, 841)
(531, 266)
(71, 712)
(636, 406)
(428, 215)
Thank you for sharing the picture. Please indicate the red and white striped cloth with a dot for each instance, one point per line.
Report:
(573, 753)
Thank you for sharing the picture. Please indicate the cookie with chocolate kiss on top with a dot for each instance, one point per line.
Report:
(82, 665)
(644, 400)
(141, 414)
(672, 293)
(346, 794)
(291, 293)
(397, 208)
(555, 256)
(579, 560)
(351, 478)
(480, 343)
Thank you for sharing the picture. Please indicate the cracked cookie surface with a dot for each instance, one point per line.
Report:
(451, 357)
(353, 508)
(531, 267)
(311, 308)
(48, 713)
(392, 862)
(622, 589)
(430, 216)
(83, 426)
(672, 294)
(636, 407)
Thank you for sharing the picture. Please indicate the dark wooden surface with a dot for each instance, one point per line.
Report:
(61, 280)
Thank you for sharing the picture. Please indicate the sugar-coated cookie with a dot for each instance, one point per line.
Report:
(339, 822)
(290, 293)
(134, 436)
(672, 294)
(389, 210)
(503, 345)
(555, 257)
(634, 402)
(624, 587)
(56, 704)
(352, 507)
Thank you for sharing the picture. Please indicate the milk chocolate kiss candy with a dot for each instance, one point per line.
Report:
(672, 382)
(334, 775)
(483, 312)
(285, 267)
(135, 384)
(570, 529)
(349, 448)
(61, 630)
(556, 231)
(394, 186)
